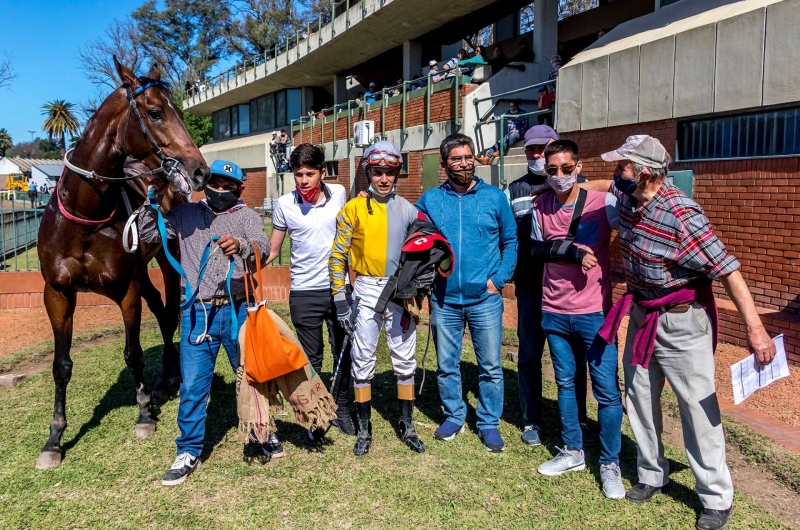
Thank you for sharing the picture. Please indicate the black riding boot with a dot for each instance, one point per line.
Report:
(364, 410)
(406, 426)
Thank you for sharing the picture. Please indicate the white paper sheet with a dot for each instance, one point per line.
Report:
(747, 376)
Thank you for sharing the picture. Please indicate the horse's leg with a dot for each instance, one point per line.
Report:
(131, 306)
(167, 317)
(60, 309)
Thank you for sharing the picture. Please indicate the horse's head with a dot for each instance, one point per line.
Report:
(164, 123)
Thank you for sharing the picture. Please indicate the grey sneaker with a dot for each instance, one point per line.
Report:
(564, 461)
(530, 436)
(611, 477)
(184, 465)
(273, 448)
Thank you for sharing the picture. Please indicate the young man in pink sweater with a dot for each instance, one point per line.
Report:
(571, 230)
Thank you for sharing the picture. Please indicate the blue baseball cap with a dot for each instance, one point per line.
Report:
(226, 169)
(536, 135)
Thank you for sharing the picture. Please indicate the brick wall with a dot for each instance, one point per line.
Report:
(255, 188)
(442, 107)
(752, 205)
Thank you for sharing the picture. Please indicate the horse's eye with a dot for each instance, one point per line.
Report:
(154, 114)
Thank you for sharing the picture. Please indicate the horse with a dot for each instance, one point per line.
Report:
(80, 242)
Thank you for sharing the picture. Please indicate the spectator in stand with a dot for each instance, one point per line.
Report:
(498, 60)
(360, 99)
(547, 99)
(418, 83)
(557, 63)
(283, 139)
(516, 130)
(189, 88)
(312, 112)
(525, 54)
(273, 144)
(434, 70)
(478, 52)
(399, 86)
(371, 94)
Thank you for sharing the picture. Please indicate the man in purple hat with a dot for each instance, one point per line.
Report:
(528, 289)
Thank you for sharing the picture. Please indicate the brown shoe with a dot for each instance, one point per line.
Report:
(496, 154)
(483, 160)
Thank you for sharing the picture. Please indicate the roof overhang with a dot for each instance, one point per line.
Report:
(691, 58)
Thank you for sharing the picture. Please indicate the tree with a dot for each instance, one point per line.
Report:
(39, 148)
(6, 142)
(6, 71)
(123, 40)
(187, 37)
(257, 25)
(60, 120)
(200, 127)
(566, 8)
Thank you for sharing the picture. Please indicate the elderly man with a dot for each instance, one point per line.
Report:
(671, 256)
(516, 129)
(476, 220)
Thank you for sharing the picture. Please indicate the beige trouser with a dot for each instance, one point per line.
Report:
(683, 355)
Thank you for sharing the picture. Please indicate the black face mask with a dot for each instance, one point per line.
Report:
(221, 201)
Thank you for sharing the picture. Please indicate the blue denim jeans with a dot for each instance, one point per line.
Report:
(485, 321)
(529, 362)
(197, 367)
(569, 336)
(508, 140)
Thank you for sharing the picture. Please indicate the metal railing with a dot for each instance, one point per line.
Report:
(20, 219)
(250, 63)
(386, 99)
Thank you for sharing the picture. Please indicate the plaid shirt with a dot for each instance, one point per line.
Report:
(668, 243)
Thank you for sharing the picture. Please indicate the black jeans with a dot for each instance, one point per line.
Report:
(309, 309)
(529, 363)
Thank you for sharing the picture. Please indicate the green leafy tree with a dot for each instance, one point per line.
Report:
(257, 25)
(6, 142)
(186, 37)
(39, 148)
(60, 121)
(199, 127)
(121, 39)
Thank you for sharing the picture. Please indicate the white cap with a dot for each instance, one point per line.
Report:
(433, 63)
(642, 149)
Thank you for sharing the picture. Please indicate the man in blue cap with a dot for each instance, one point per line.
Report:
(209, 321)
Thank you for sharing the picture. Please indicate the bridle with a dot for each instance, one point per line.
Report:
(168, 165)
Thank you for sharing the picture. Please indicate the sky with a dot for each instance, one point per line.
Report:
(43, 37)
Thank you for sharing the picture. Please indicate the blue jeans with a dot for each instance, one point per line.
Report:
(569, 336)
(508, 140)
(485, 321)
(197, 367)
(529, 362)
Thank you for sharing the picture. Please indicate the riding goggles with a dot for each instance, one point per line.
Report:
(382, 158)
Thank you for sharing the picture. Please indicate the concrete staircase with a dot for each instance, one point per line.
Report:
(516, 165)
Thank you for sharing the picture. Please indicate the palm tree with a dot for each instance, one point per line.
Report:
(5, 142)
(60, 121)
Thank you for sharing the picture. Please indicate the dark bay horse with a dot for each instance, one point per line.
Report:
(80, 238)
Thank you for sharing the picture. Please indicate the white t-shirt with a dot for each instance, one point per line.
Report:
(311, 230)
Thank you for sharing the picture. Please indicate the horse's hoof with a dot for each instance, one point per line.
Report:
(144, 430)
(48, 460)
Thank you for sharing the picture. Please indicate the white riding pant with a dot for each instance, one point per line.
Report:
(402, 344)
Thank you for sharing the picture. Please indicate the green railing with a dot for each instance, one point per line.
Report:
(406, 93)
(19, 230)
(250, 63)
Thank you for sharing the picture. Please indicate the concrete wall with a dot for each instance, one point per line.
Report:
(687, 59)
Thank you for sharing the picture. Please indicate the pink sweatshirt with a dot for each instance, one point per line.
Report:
(567, 288)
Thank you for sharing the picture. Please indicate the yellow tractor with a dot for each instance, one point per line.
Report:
(17, 182)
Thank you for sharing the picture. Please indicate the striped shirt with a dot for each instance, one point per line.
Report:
(369, 243)
(193, 225)
(668, 243)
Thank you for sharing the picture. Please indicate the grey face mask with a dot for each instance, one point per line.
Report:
(536, 166)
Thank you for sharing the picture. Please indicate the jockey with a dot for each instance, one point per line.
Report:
(207, 323)
(369, 236)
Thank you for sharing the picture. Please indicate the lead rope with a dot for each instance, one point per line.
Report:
(427, 344)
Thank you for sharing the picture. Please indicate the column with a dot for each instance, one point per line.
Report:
(412, 59)
(545, 35)
(339, 88)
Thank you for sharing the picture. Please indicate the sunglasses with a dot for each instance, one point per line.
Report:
(382, 158)
(566, 169)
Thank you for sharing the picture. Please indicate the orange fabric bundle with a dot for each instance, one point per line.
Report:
(267, 354)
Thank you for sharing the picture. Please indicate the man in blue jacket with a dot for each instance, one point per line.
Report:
(476, 220)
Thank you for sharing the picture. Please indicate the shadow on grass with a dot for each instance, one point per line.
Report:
(119, 395)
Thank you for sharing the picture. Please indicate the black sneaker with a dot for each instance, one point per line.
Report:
(314, 438)
(644, 492)
(273, 448)
(182, 467)
(714, 519)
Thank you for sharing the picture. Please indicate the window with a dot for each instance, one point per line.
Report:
(221, 121)
(293, 110)
(757, 134)
(404, 167)
(280, 104)
(331, 169)
(235, 120)
(244, 119)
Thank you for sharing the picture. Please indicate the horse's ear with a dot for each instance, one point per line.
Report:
(155, 73)
(126, 76)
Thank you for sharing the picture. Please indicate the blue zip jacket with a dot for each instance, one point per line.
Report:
(483, 234)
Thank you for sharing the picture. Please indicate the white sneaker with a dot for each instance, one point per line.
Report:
(182, 467)
(611, 477)
(563, 462)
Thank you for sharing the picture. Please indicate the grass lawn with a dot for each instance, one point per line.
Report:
(286, 250)
(26, 260)
(109, 479)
